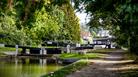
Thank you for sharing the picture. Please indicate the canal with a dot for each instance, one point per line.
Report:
(27, 67)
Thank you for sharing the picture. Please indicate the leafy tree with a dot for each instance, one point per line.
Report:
(71, 26)
(30, 22)
(45, 26)
(13, 35)
(118, 15)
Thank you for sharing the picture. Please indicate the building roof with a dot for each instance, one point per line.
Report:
(85, 34)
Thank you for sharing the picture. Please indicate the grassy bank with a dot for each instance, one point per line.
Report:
(102, 51)
(7, 49)
(68, 69)
(77, 65)
(99, 53)
(81, 56)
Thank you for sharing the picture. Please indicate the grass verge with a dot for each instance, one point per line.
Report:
(68, 69)
(102, 51)
(81, 56)
(7, 49)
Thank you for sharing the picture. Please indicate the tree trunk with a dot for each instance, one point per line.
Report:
(26, 10)
(10, 4)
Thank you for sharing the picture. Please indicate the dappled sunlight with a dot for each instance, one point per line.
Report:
(111, 62)
(113, 58)
(124, 68)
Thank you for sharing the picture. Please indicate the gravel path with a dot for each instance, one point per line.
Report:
(102, 68)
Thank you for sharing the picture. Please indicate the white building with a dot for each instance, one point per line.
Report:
(104, 33)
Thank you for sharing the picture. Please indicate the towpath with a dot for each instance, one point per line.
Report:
(106, 67)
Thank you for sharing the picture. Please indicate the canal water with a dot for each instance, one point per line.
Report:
(27, 67)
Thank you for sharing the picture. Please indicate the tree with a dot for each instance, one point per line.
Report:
(128, 23)
(71, 26)
(120, 15)
(28, 22)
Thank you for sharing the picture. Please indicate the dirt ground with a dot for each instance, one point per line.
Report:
(111, 66)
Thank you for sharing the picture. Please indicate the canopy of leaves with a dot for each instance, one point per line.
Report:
(120, 16)
(30, 22)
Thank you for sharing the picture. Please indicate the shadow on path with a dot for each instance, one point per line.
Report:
(110, 66)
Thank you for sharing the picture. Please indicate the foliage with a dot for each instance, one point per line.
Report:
(44, 26)
(71, 26)
(120, 16)
(13, 35)
(34, 21)
(67, 69)
(129, 22)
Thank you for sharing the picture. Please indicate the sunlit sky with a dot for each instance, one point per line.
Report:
(83, 17)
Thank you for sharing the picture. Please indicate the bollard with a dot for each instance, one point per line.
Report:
(68, 48)
(41, 51)
(44, 51)
(16, 53)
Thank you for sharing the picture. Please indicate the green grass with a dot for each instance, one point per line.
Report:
(68, 69)
(7, 49)
(102, 51)
(81, 56)
(99, 53)
(77, 65)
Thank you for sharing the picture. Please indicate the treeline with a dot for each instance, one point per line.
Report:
(30, 22)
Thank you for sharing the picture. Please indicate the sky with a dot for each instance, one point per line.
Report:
(83, 17)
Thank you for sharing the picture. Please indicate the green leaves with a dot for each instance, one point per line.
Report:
(34, 21)
(13, 35)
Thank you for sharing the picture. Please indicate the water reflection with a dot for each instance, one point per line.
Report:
(27, 67)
